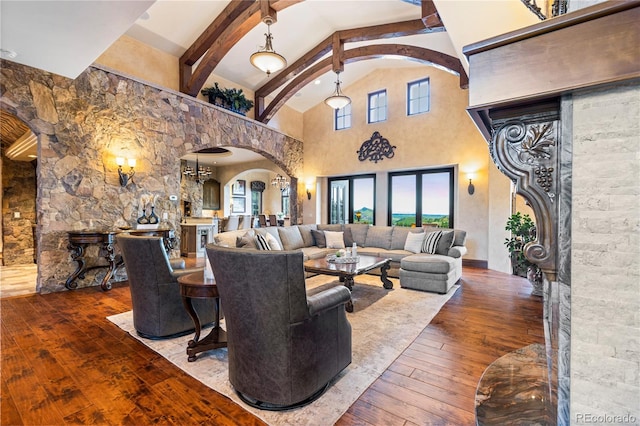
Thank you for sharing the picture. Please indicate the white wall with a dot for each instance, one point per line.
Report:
(605, 255)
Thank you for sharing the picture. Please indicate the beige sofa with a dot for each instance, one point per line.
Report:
(436, 272)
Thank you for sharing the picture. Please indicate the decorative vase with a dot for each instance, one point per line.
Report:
(143, 220)
(153, 218)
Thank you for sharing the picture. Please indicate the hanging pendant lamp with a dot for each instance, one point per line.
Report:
(338, 99)
(266, 59)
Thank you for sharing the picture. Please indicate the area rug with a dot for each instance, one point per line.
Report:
(384, 323)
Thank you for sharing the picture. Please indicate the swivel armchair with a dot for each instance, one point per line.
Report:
(284, 347)
(158, 310)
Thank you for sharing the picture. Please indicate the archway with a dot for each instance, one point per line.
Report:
(82, 129)
(18, 183)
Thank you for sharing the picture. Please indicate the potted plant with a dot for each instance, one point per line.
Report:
(231, 99)
(523, 230)
(215, 94)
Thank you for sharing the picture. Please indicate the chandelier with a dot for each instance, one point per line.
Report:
(266, 59)
(199, 174)
(338, 99)
(280, 182)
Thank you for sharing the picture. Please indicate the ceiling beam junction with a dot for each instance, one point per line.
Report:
(239, 17)
(355, 55)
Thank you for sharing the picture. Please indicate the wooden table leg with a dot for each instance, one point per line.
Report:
(111, 258)
(386, 282)
(217, 337)
(188, 304)
(77, 255)
(348, 283)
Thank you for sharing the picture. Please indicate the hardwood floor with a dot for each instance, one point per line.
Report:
(63, 362)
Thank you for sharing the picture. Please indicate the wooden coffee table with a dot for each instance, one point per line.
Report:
(346, 271)
(196, 286)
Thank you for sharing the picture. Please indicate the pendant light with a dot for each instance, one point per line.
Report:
(266, 59)
(338, 99)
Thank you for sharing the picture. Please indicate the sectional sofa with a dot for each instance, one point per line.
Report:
(434, 265)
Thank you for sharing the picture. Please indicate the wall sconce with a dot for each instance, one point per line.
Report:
(471, 189)
(125, 177)
(308, 188)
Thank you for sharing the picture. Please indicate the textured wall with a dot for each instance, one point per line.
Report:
(605, 262)
(19, 195)
(83, 124)
(443, 136)
(140, 60)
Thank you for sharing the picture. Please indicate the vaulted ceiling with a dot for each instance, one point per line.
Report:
(316, 36)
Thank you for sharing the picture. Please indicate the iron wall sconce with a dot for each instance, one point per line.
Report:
(471, 189)
(308, 188)
(125, 177)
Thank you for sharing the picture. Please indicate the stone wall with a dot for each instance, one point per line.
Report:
(19, 196)
(84, 124)
(605, 257)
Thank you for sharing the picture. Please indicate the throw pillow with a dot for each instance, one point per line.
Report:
(261, 242)
(414, 242)
(348, 237)
(273, 243)
(290, 237)
(318, 236)
(245, 242)
(445, 243)
(431, 242)
(335, 240)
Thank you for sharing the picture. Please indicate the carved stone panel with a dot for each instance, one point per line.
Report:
(524, 146)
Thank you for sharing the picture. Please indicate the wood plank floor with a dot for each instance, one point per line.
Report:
(63, 362)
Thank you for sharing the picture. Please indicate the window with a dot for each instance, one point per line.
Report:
(377, 106)
(285, 201)
(420, 197)
(343, 118)
(256, 202)
(418, 97)
(352, 199)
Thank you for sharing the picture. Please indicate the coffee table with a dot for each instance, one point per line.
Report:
(346, 271)
(196, 286)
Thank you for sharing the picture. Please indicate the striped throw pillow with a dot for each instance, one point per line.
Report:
(430, 243)
(262, 243)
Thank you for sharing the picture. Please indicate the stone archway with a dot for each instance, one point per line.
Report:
(83, 124)
(17, 191)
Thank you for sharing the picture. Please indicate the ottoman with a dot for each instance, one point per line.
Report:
(430, 272)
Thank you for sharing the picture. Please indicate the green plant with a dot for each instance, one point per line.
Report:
(523, 230)
(231, 99)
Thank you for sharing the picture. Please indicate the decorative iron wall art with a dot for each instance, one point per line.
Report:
(376, 148)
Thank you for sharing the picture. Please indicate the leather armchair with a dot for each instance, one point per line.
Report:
(284, 347)
(158, 310)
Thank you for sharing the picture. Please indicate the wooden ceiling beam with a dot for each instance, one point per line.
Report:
(375, 32)
(430, 16)
(267, 12)
(360, 54)
(235, 21)
(378, 32)
(215, 30)
(337, 58)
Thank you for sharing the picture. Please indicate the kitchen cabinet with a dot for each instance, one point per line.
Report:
(211, 195)
(188, 241)
(194, 239)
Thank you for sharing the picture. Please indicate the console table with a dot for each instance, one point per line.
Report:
(79, 240)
